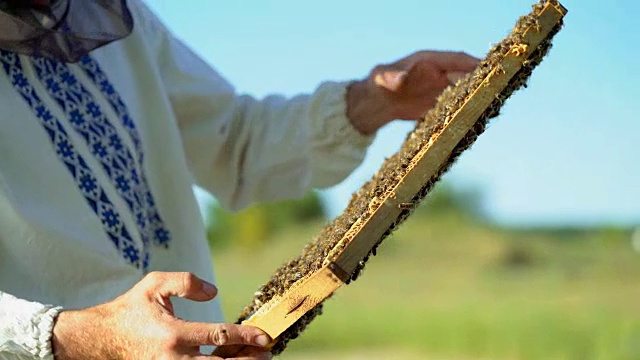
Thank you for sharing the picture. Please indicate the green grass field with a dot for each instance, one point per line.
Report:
(444, 288)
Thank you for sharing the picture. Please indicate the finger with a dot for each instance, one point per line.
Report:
(251, 352)
(256, 356)
(228, 351)
(181, 284)
(199, 334)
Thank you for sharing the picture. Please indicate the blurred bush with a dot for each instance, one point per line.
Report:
(444, 198)
(253, 226)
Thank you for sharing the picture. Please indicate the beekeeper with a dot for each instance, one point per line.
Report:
(107, 121)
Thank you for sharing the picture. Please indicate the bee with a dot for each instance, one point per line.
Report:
(374, 204)
(405, 206)
(519, 49)
(499, 69)
(536, 25)
(537, 8)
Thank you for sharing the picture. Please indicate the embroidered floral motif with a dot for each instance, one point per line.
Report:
(161, 235)
(89, 186)
(117, 161)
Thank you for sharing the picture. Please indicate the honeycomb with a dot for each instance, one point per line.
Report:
(322, 248)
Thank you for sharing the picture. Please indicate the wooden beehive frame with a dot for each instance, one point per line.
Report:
(282, 311)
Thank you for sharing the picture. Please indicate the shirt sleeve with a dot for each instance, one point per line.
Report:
(246, 150)
(25, 328)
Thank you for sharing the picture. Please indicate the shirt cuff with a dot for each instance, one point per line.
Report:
(28, 326)
(336, 125)
(337, 146)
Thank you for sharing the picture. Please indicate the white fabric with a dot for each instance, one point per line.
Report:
(26, 327)
(194, 129)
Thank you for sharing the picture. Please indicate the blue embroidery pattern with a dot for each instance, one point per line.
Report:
(94, 72)
(102, 138)
(93, 193)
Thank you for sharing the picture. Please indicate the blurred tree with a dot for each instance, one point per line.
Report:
(445, 198)
(253, 226)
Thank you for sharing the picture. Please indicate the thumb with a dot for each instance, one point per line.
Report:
(181, 284)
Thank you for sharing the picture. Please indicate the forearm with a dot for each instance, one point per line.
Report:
(303, 143)
(25, 328)
(274, 148)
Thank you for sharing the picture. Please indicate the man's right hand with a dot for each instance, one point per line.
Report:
(141, 325)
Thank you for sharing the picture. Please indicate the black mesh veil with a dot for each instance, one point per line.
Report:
(63, 29)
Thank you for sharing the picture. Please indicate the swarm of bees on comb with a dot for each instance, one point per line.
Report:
(328, 245)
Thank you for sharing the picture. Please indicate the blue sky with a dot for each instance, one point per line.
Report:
(565, 150)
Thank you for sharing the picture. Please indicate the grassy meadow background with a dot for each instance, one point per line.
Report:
(449, 285)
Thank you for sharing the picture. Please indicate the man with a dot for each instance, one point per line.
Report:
(107, 122)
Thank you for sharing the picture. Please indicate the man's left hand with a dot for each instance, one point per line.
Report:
(406, 89)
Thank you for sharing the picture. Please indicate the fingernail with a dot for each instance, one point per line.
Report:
(378, 80)
(398, 78)
(262, 340)
(209, 289)
(395, 80)
(391, 80)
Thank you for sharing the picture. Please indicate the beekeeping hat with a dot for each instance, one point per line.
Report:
(62, 29)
